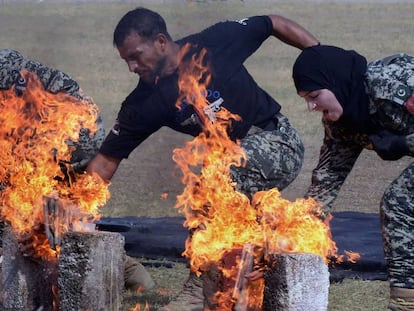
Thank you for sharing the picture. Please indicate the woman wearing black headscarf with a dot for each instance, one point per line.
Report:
(366, 106)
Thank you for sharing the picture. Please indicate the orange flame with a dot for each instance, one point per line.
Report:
(138, 308)
(290, 227)
(352, 256)
(34, 130)
(222, 218)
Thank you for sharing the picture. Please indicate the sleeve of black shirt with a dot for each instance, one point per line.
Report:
(235, 41)
(137, 119)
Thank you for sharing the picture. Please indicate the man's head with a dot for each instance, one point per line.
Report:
(148, 24)
(142, 40)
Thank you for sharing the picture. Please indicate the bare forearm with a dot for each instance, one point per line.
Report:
(104, 166)
(292, 33)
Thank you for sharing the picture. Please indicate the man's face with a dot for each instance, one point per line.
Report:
(145, 57)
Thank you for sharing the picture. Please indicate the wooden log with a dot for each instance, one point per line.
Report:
(91, 271)
(87, 275)
(236, 292)
(26, 282)
(240, 291)
(296, 282)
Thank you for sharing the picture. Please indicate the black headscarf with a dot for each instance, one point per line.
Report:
(340, 71)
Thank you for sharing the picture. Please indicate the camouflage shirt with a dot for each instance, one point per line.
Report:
(54, 81)
(389, 83)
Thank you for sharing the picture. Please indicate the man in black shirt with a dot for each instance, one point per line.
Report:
(273, 147)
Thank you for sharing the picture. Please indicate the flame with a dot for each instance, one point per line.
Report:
(138, 307)
(222, 219)
(291, 227)
(34, 130)
(352, 256)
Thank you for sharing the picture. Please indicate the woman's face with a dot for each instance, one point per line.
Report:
(323, 100)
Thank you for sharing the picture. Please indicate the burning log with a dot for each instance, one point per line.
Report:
(229, 219)
(27, 282)
(91, 271)
(225, 286)
(296, 282)
(290, 282)
(87, 274)
(240, 292)
(39, 134)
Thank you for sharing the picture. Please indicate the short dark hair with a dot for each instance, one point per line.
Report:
(148, 24)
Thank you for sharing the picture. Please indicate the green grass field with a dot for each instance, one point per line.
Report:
(76, 37)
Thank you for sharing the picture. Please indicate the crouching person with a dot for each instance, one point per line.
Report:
(12, 66)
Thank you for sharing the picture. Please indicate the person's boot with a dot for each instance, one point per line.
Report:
(190, 298)
(401, 299)
(136, 277)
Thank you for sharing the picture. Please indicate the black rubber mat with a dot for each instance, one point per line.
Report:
(164, 238)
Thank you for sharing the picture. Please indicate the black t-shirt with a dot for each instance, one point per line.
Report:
(150, 107)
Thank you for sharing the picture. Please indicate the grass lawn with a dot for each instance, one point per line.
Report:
(76, 37)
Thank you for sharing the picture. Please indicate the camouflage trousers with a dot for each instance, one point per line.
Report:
(274, 158)
(397, 219)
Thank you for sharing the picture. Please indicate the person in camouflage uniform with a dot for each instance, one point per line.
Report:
(54, 81)
(273, 147)
(366, 106)
(12, 63)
